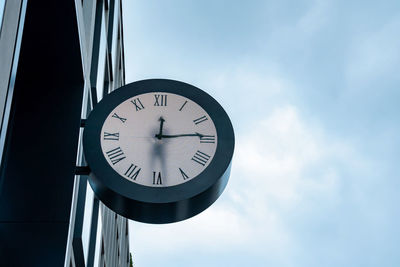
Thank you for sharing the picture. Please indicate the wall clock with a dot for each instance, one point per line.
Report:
(159, 150)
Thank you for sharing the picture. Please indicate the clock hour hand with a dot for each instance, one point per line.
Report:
(159, 136)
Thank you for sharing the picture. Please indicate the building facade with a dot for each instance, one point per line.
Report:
(57, 60)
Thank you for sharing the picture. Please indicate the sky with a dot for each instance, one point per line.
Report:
(312, 90)
(2, 3)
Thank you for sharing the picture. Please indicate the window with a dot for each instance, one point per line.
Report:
(102, 62)
(87, 219)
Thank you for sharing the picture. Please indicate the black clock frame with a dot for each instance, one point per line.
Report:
(158, 204)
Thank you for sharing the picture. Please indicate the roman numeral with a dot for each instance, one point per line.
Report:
(115, 115)
(133, 171)
(184, 175)
(200, 157)
(111, 136)
(183, 106)
(208, 139)
(138, 104)
(157, 178)
(115, 155)
(200, 120)
(161, 100)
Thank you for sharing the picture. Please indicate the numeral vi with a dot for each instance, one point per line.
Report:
(157, 178)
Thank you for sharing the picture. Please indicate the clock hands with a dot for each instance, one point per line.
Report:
(159, 136)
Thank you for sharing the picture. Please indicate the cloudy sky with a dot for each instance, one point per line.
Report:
(312, 89)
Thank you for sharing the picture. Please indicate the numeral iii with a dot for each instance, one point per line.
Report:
(208, 139)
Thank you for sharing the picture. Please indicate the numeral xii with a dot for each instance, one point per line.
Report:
(160, 100)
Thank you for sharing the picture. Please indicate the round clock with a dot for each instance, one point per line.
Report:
(159, 150)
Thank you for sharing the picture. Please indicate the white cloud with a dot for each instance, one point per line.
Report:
(273, 162)
(267, 181)
(284, 164)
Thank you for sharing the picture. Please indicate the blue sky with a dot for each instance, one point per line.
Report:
(312, 89)
(2, 2)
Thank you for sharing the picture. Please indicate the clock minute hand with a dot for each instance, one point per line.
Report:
(159, 136)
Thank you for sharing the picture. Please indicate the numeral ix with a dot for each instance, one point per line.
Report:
(111, 136)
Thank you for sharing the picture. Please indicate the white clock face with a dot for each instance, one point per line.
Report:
(158, 139)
